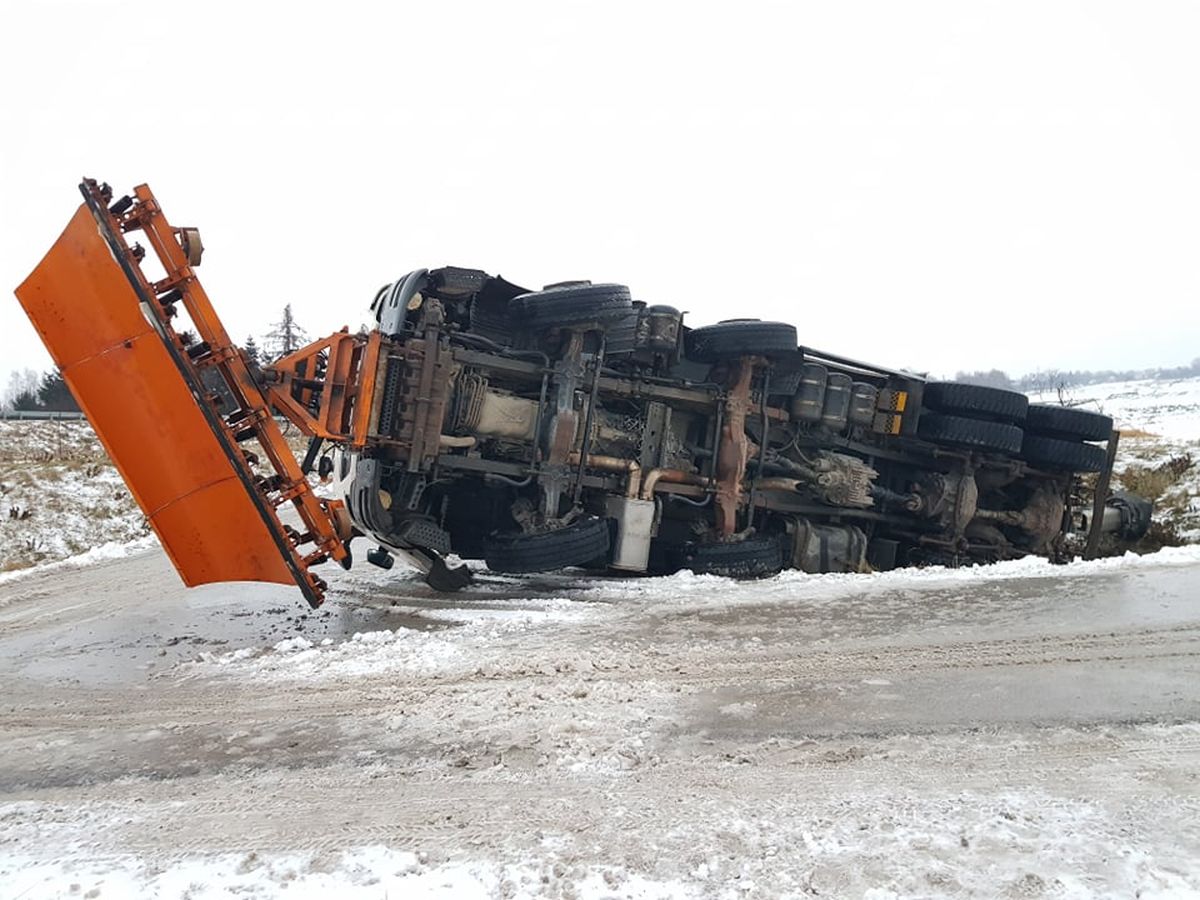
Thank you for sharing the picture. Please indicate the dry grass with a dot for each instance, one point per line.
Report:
(49, 442)
(1162, 533)
(1136, 433)
(60, 495)
(1153, 482)
(1166, 484)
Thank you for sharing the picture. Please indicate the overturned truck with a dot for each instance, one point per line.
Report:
(537, 430)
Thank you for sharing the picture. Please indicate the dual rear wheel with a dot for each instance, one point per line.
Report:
(1000, 421)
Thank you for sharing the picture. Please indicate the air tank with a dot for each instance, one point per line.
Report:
(863, 398)
(827, 548)
(836, 411)
(662, 328)
(809, 399)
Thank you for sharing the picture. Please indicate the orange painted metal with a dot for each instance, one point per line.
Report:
(365, 411)
(327, 387)
(156, 403)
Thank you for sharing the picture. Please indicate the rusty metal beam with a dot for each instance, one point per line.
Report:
(1103, 480)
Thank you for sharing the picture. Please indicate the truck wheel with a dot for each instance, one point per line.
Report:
(578, 543)
(572, 304)
(976, 401)
(1067, 423)
(1070, 456)
(943, 429)
(740, 337)
(756, 557)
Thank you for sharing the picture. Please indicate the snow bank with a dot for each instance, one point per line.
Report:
(101, 553)
(687, 588)
(368, 873)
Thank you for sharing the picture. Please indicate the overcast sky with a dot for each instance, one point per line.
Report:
(936, 185)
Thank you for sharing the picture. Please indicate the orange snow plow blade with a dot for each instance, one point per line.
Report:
(150, 398)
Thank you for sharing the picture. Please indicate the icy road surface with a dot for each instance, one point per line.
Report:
(1020, 731)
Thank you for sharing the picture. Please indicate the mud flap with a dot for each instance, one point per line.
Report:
(108, 333)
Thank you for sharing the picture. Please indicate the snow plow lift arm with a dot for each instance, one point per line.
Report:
(173, 414)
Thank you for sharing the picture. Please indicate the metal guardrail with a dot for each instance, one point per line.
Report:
(40, 414)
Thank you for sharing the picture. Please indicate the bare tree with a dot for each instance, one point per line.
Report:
(992, 378)
(22, 385)
(284, 337)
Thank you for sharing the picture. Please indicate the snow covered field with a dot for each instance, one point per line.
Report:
(59, 494)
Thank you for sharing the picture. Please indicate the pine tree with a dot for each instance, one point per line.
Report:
(53, 394)
(250, 348)
(285, 337)
(25, 401)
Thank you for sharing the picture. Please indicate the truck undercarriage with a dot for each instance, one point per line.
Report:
(536, 430)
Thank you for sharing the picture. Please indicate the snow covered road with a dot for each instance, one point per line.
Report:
(1020, 730)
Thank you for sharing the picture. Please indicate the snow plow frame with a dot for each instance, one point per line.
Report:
(170, 413)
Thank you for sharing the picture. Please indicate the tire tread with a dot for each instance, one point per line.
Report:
(730, 340)
(1054, 453)
(1068, 423)
(576, 544)
(964, 432)
(572, 304)
(976, 401)
(755, 557)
